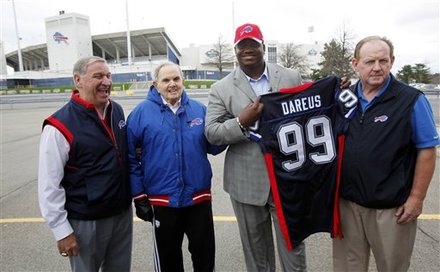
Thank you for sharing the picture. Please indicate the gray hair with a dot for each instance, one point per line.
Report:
(80, 67)
(373, 38)
(163, 64)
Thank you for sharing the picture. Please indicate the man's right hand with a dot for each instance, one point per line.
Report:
(251, 113)
(144, 210)
(68, 246)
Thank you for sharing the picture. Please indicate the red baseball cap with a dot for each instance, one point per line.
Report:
(248, 31)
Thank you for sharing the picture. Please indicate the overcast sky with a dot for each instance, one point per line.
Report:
(413, 26)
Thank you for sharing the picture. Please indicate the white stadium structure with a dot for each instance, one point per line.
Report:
(68, 38)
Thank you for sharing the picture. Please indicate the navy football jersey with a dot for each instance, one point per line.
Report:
(302, 133)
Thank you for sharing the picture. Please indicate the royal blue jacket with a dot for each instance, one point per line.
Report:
(173, 169)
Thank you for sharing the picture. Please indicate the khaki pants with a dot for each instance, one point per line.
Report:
(374, 229)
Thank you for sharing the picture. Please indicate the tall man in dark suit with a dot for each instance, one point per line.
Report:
(233, 107)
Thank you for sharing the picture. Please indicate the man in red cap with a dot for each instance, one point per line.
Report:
(234, 105)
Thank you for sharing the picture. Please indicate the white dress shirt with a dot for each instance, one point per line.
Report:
(174, 107)
(54, 153)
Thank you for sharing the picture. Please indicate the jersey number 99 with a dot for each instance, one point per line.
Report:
(292, 138)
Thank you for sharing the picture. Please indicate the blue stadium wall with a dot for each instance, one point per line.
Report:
(203, 74)
(3, 84)
(68, 81)
(172, 57)
(116, 78)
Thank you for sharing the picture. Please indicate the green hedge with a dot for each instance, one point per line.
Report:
(189, 84)
(198, 84)
(58, 89)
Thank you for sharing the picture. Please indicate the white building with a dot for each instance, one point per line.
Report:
(68, 39)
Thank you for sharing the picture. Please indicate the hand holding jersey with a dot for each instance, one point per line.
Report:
(251, 113)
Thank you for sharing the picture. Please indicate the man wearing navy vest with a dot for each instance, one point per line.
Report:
(388, 163)
(83, 186)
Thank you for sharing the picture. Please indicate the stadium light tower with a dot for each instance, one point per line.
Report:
(233, 30)
(128, 35)
(20, 59)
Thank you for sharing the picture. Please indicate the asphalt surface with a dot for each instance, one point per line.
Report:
(27, 244)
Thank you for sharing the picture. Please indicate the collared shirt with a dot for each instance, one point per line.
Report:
(104, 114)
(422, 120)
(260, 85)
(174, 107)
(365, 104)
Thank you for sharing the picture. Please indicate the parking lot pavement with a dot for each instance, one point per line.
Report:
(26, 243)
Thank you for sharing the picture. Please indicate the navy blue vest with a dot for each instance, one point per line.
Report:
(96, 173)
(379, 155)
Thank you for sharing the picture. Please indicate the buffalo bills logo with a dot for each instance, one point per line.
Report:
(195, 122)
(121, 124)
(58, 37)
(381, 118)
(247, 29)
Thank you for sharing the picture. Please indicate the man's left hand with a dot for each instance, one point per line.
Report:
(409, 211)
(345, 83)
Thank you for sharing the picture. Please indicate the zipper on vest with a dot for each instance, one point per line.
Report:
(361, 120)
(112, 133)
(113, 136)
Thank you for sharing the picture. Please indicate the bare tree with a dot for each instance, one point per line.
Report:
(346, 37)
(290, 58)
(221, 55)
(337, 55)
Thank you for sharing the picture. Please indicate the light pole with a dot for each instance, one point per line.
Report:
(128, 35)
(233, 29)
(20, 59)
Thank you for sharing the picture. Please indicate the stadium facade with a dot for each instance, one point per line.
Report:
(68, 38)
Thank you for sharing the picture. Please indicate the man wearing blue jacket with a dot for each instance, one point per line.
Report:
(170, 173)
